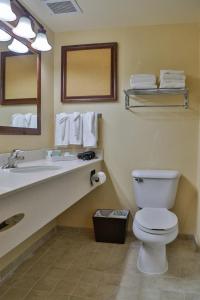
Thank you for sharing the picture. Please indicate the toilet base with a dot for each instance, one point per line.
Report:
(152, 259)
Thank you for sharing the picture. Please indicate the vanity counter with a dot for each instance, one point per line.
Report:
(11, 181)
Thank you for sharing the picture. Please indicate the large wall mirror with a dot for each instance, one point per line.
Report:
(20, 92)
(89, 73)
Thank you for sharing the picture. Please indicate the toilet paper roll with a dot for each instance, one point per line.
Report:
(102, 177)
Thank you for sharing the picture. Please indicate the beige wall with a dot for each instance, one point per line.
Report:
(146, 138)
(9, 142)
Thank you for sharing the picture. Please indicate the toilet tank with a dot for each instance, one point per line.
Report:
(155, 188)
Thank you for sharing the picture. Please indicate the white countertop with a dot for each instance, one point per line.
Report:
(11, 182)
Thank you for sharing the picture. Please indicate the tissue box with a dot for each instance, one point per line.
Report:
(110, 225)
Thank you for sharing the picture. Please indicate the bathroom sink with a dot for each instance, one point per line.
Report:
(32, 169)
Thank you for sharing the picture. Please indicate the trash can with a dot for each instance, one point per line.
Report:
(110, 225)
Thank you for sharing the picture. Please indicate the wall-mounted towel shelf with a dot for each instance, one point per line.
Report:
(144, 92)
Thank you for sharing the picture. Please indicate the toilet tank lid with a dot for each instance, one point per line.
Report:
(157, 174)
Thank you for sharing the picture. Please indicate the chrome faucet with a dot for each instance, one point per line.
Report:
(13, 159)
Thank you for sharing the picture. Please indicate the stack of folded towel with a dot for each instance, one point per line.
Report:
(143, 81)
(172, 79)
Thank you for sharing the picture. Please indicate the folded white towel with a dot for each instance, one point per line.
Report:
(62, 129)
(143, 85)
(162, 72)
(172, 81)
(33, 121)
(143, 77)
(172, 77)
(90, 129)
(18, 120)
(76, 127)
(168, 85)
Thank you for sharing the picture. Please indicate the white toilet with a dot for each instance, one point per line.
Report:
(154, 224)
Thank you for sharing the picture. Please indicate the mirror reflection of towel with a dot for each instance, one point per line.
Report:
(33, 121)
(18, 120)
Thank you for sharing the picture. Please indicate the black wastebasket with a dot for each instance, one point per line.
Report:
(110, 225)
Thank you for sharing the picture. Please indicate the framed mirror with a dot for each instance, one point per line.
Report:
(89, 73)
(19, 78)
(20, 92)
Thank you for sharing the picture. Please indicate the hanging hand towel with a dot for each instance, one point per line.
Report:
(62, 129)
(18, 120)
(90, 129)
(76, 127)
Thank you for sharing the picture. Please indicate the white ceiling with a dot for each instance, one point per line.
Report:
(118, 13)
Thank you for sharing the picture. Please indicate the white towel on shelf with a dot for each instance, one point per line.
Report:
(33, 121)
(18, 120)
(143, 85)
(143, 81)
(90, 129)
(172, 85)
(171, 81)
(143, 77)
(162, 72)
(172, 77)
(76, 128)
(62, 129)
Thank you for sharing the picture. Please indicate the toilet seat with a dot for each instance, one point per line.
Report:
(156, 220)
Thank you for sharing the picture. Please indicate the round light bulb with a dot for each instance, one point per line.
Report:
(18, 47)
(24, 28)
(41, 42)
(6, 13)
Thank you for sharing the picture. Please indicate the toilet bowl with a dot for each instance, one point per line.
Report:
(154, 227)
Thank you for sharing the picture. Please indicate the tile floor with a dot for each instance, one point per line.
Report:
(72, 266)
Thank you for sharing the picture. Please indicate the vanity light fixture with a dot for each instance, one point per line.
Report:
(6, 13)
(41, 43)
(24, 28)
(17, 47)
(4, 36)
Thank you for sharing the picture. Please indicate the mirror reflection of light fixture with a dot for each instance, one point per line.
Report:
(41, 43)
(4, 36)
(6, 13)
(17, 47)
(24, 28)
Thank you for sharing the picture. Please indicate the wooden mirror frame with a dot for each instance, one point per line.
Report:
(8, 130)
(112, 96)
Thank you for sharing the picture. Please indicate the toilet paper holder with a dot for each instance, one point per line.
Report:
(93, 177)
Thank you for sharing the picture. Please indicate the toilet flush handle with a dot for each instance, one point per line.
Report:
(139, 179)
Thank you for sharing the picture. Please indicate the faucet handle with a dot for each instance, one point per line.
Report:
(18, 154)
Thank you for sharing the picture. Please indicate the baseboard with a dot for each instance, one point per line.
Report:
(191, 237)
(11, 267)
